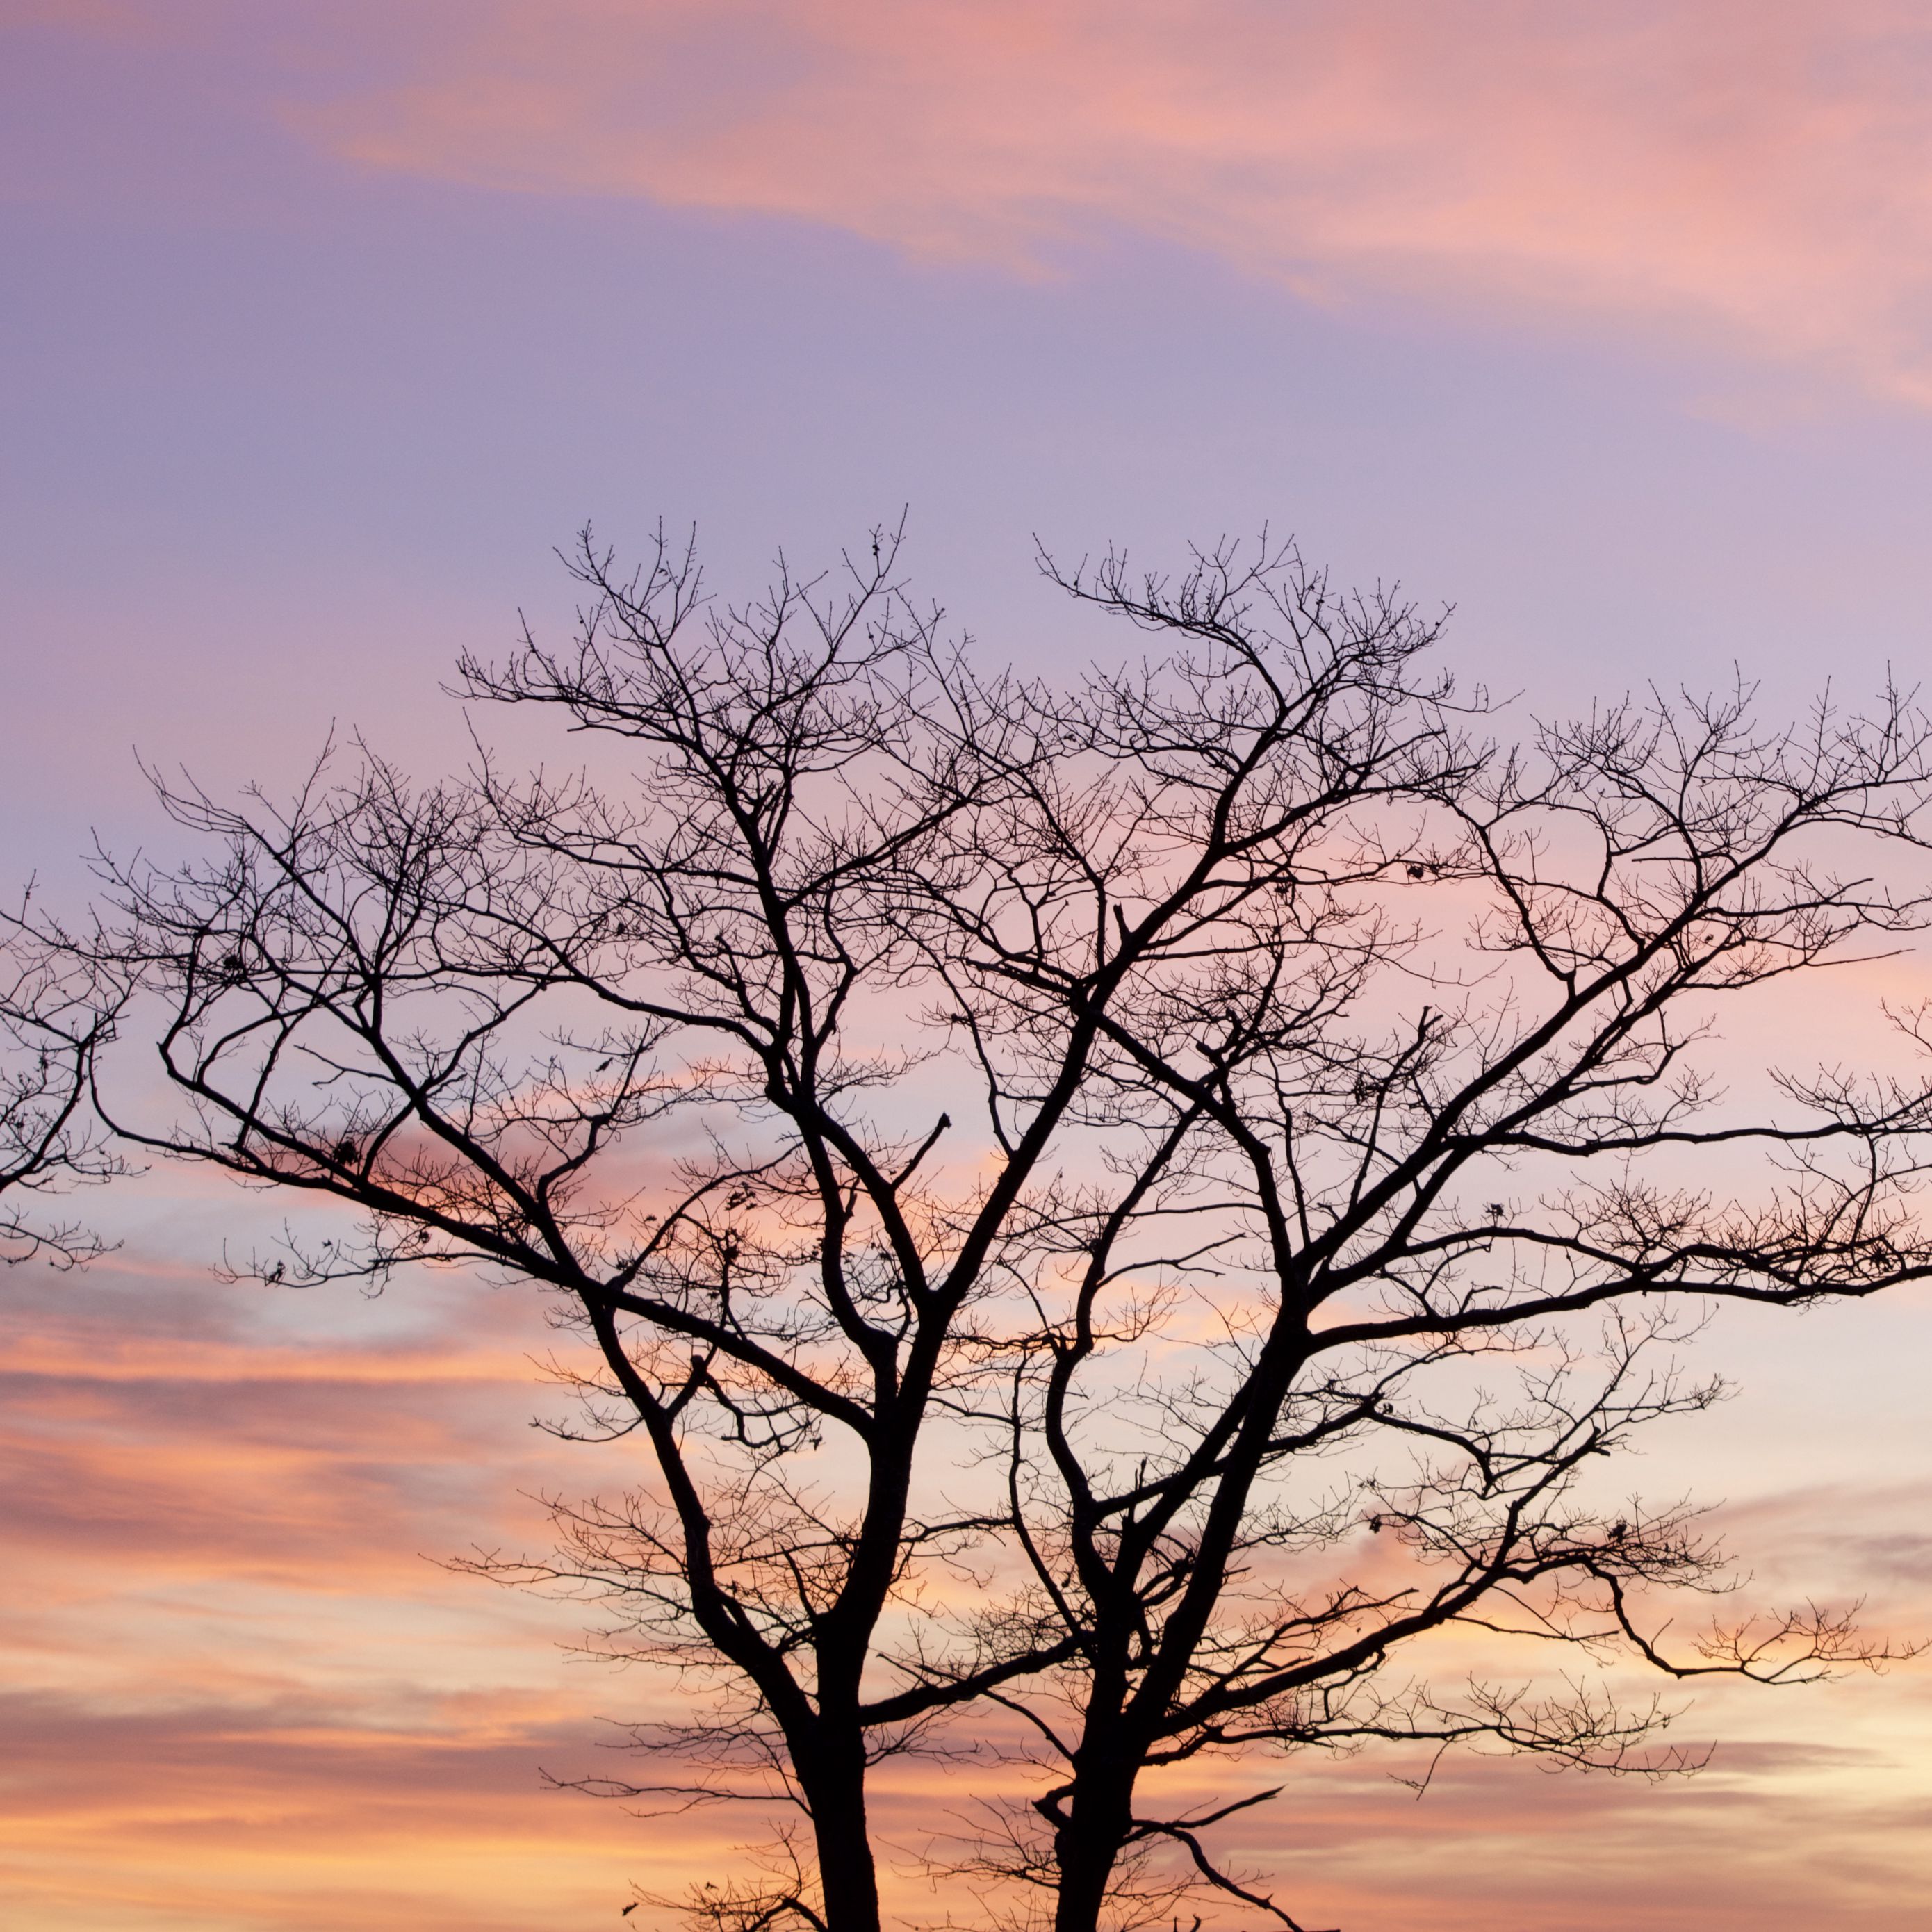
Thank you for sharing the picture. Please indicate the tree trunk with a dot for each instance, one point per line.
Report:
(1087, 1845)
(835, 1790)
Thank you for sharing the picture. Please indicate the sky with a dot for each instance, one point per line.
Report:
(321, 324)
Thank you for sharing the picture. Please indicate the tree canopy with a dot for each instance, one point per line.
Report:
(1126, 1206)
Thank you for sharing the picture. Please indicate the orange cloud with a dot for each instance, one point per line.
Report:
(235, 1817)
(1753, 174)
(238, 1700)
(237, 1697)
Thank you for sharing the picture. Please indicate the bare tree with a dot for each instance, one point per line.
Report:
(1106, 1143)
(54, 1016)
(1388, 1102)
(629, 1047)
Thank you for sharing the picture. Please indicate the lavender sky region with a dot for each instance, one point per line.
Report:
(321, 324)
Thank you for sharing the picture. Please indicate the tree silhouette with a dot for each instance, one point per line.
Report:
(1127, 1207)
(54, 1018)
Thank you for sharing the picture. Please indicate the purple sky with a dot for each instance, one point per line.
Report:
(322, 323)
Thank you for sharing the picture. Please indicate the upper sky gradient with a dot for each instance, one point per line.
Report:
(322, 322)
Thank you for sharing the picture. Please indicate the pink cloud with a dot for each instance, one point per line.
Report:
(237, 1697)
(289, 1815)
(1753, 175)
(240, 1701)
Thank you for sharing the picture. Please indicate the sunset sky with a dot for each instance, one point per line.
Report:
(323, 321)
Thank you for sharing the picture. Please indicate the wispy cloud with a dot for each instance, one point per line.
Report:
(240, 1700)
(238, 1696)
(291, 1814)
(1754, 175)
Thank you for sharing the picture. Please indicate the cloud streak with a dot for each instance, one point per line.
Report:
(237, 1696)
(240, 1700)
(1752, 177)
